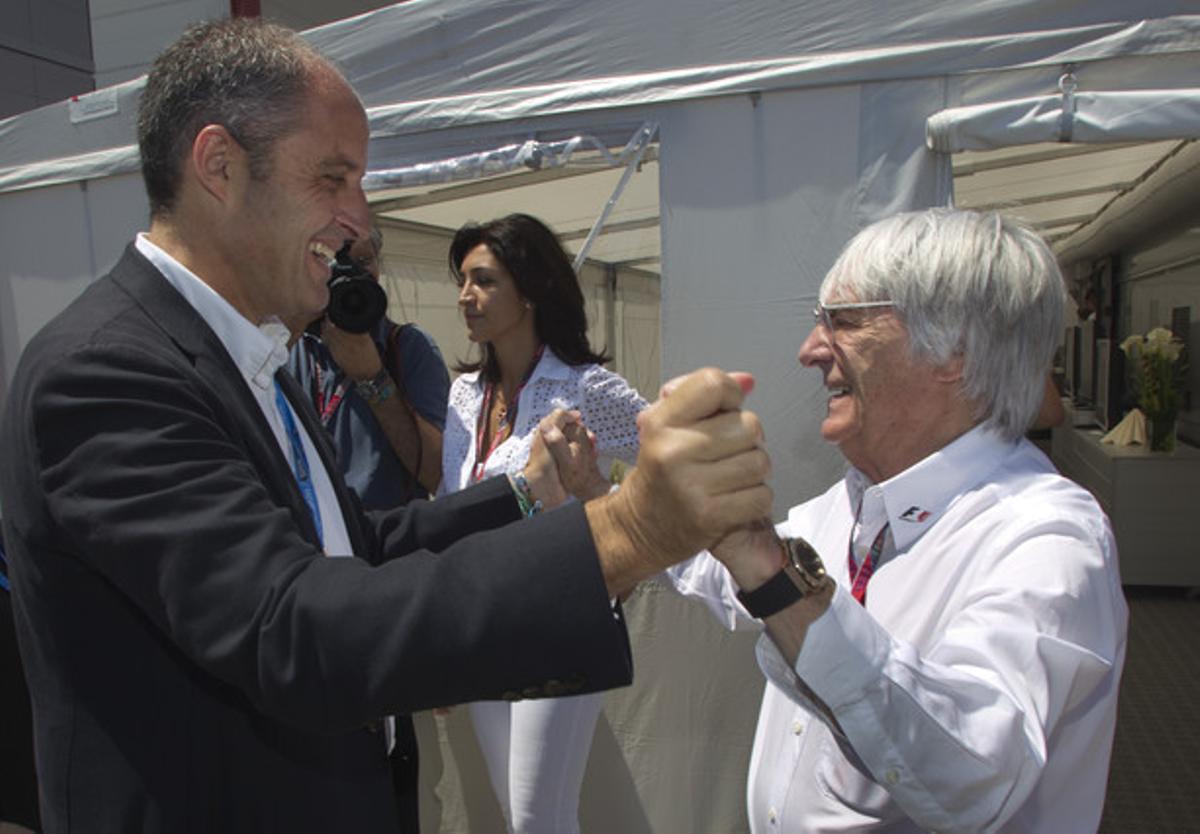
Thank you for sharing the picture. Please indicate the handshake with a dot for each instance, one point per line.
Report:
(701, 475)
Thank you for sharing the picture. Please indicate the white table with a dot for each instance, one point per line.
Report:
(1152, 499)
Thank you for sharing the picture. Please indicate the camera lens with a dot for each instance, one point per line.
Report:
(356, 303)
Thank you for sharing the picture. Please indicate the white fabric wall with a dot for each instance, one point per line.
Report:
(752, 219)
(55, 241)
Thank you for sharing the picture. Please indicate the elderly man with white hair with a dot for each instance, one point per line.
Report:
(953, 664)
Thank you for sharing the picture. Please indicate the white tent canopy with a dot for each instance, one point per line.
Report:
(782, 128)
(425, 66)
(1102, 117)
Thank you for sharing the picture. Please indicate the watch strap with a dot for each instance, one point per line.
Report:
(376, 389)
(802, 574)
(774, 595)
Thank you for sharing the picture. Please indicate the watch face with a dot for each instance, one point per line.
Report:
(806, 561)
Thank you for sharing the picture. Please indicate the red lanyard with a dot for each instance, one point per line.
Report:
(507, 423)
(325, 408)
(860, 576)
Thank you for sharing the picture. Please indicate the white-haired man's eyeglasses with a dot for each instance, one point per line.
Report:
(829, 315)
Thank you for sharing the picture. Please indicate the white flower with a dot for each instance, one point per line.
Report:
(1159, 336)
(1132, 346)
(1159, 343)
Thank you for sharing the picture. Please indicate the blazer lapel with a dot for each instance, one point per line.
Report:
(182, 325)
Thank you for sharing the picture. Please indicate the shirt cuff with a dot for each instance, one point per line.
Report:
(843, 654)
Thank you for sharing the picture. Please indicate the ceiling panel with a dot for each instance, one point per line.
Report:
(568, 199)
(1055, 187)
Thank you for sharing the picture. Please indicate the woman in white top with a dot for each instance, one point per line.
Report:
(523, 307)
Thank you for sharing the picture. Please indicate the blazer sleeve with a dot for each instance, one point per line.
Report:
(158, 484)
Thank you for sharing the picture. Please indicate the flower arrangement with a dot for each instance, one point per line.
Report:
(1158, 365)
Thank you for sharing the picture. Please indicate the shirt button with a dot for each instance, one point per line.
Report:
(891, 776)
(772, 817)
(797, 727)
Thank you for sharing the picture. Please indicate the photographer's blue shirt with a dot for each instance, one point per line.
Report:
(371, 467)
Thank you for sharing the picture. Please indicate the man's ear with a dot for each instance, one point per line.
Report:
(950, 371)
(216, 159)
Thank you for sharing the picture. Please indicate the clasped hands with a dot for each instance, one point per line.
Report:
(700, 476)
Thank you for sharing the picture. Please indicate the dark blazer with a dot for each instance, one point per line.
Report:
(195, 663)
(18, 785)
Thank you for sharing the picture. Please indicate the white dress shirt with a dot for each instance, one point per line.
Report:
(977, 688)
(258, 351)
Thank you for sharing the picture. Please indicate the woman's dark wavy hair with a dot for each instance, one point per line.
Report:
(544, 276)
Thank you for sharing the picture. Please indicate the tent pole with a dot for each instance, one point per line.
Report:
(641, 141)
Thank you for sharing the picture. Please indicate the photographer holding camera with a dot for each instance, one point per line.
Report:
(379, 387)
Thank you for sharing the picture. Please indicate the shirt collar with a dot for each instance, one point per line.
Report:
(258, 350)
(917, 497)
(549, 367)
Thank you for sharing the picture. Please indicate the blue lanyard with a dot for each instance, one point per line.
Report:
(299, 460)
(4, 572)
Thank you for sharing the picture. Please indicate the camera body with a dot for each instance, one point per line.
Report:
(356, 301)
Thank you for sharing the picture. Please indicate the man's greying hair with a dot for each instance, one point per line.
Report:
(970, 284)
(249, 76)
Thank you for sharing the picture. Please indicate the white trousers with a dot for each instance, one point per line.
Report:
(536, 752)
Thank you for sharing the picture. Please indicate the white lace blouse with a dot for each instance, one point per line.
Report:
(608, 403)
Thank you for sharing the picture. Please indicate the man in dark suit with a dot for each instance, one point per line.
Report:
(18, 783)
(198, 658)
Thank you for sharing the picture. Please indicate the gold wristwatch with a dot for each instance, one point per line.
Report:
(803, 574)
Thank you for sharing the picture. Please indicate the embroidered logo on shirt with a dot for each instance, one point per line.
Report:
(915, 514)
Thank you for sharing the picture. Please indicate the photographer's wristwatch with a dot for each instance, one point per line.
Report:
(376, 389)
(802, 574)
